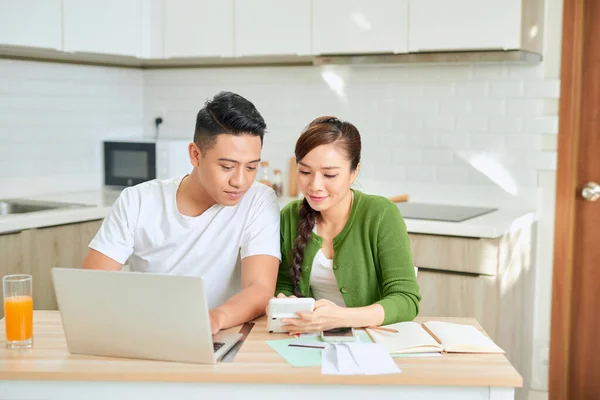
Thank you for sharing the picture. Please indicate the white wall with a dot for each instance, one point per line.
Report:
(53, 118)
(430, 129)
(546, 208)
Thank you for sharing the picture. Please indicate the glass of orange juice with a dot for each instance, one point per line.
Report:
(18, 311)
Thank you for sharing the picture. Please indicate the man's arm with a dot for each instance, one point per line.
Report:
(259, 274)
(96, 260)
(113, 243)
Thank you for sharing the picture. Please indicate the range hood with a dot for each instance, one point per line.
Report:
(513, 56)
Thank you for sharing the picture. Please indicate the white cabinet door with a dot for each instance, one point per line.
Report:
(198, 28)
(360, 26)
(33, 23)
(464, 24)
(103, 26)
(153, 30)
(272, 27)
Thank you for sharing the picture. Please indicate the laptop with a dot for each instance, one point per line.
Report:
(138, 315)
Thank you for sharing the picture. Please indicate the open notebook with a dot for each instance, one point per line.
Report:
(413, 337)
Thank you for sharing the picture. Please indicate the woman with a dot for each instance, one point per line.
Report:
(347, 249)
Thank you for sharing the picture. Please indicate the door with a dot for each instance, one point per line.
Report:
(574, 360)
(358, 26)
(464, 25)
(199, 28)
(272, 27)
(31, 23)
(103, 26)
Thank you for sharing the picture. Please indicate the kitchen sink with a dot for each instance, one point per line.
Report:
(23, 206)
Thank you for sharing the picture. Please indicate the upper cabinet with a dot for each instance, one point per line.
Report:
(475, 25)
(272, 27)
(360, 26)
(31, 23)
(198, 28)
(208, 32)
(103, 26)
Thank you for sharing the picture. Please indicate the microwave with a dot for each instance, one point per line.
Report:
(129, 162)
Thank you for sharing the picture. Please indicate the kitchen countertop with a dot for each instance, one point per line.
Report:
(98, 204)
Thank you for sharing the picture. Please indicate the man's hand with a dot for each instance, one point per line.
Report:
(326, 315)
(279, 296)
(217, 319)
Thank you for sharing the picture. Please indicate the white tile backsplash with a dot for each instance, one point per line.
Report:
(53, 118)
(417, 120)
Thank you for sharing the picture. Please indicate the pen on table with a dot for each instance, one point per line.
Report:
(310, 346)
(380, 328)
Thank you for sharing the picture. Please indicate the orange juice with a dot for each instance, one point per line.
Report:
(18, 317)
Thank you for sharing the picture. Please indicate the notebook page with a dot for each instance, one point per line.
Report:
(462, 338)
(411, 338)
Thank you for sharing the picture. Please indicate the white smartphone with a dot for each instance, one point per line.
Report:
(283, 308)
(338, 335)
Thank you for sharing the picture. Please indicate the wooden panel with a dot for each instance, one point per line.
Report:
(574, 363)
(449, 253)
(10, 254)
(87, 231)
(255, 363)
(449, 294)
(56, 246)
(62, 246)
(11, 257)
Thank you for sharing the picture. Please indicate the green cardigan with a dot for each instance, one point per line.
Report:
(372, 260)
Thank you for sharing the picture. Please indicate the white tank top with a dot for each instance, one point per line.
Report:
(322, 279)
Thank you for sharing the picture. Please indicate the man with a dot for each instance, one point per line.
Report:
(203, 223)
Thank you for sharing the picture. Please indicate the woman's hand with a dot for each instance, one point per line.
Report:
(326, 315)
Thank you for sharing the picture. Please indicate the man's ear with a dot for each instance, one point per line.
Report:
(195, 154)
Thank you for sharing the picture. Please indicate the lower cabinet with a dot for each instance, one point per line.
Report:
(37, 251)
(486, 279)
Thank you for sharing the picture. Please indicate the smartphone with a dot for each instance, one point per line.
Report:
(338, 335)
(283, 308)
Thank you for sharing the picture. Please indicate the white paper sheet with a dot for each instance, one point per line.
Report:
(357, 359)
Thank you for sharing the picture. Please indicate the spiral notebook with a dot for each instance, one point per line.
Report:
(433, 337)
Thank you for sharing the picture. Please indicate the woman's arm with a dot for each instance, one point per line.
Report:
(399, 286)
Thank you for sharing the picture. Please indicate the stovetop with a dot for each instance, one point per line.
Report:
(441, 212)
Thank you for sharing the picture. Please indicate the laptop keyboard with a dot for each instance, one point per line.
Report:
(217, 346)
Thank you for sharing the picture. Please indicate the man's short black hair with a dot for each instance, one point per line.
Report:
(227, 113)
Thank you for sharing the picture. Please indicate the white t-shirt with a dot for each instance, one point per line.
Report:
(146, 229)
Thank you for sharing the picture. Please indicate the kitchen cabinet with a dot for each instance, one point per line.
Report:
(198, 28)
(475, 25)
(487, 279)
(358, 26)
(31, 23)
(103, 26)
(272, 27)
(37, 251)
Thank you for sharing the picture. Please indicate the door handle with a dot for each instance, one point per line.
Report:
(591, 191)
